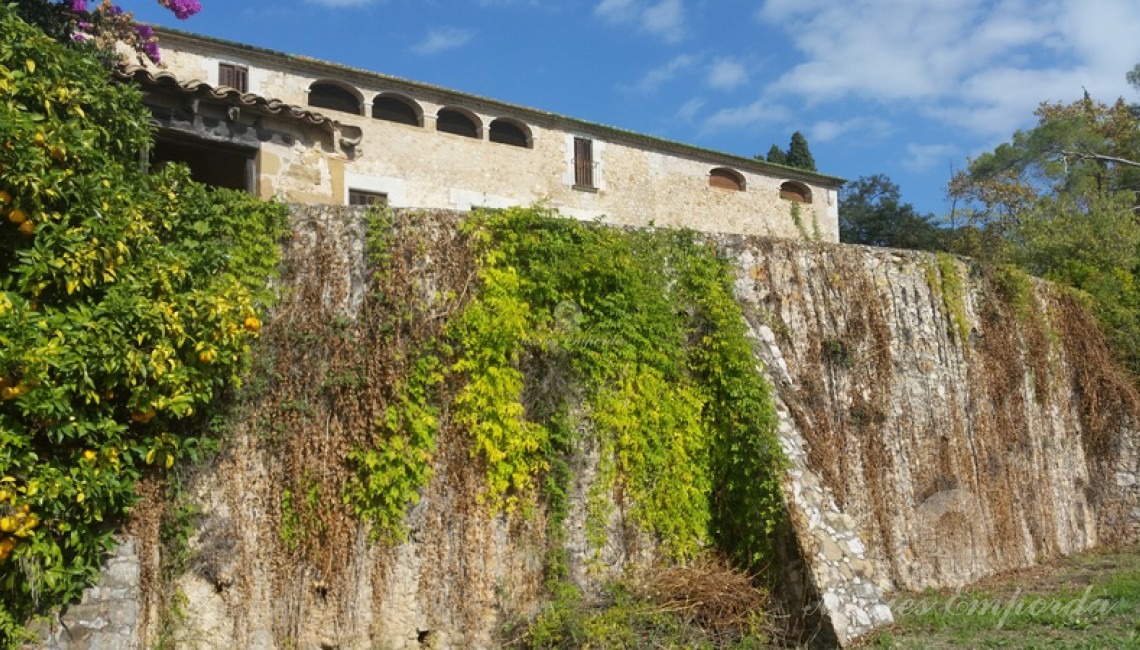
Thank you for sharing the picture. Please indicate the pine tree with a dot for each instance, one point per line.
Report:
(798, 153)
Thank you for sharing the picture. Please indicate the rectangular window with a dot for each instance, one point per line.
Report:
(234, 76)
(360, 197)
(584, 163)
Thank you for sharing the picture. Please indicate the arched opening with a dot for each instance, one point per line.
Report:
(457, 122)
(333, 96)
(726, 179)
(394, 108)
(794, 191)
(506, 131)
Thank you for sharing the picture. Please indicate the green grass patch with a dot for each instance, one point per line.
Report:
(1089, 601)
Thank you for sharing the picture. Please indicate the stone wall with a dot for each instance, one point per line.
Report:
(939, 430)
(110, 615)
(936, 435)
(458, 578)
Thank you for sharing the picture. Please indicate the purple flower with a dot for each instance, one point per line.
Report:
(79, 6)
(79, 37)
(151, 49)
(182, 9)
(85, 26)
(146, 32)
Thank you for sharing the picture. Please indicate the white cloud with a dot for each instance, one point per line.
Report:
(982, 65)
(867, 127)
(922, 157)
(617, 11)
(726, 73)
(664, 19)
(661, 74)
(689, 110)
(758, 113)
(441, 39)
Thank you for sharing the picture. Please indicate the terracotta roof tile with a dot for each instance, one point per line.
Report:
(224, 94)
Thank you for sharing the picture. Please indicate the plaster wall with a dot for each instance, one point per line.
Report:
(635, 181)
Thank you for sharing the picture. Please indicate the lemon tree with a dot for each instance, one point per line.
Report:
(127, 305)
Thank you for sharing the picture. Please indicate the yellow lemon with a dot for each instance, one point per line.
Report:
(17, 216)
(8, 525)
(89, 455)
(252, 324)
(28, 227)
(6, 546)
(5, 197)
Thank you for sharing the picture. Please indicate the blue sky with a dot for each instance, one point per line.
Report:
(910, 89)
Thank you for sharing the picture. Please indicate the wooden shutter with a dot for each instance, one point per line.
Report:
(234, 76)
(726, 179)
(583, 162)
(795, 192)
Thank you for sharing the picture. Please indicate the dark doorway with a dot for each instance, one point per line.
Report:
(213, 164)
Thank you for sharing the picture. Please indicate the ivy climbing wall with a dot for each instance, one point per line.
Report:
(450, 420)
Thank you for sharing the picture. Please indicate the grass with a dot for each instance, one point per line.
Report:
(1086, 601)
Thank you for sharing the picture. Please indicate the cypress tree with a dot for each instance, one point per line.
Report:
(798, 153)
(776, 155)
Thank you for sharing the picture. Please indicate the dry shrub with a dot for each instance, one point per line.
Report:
(710, 593)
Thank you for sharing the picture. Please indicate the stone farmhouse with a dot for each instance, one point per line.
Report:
(308, 131)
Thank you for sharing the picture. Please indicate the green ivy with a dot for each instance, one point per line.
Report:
(127, 306)
(491, 332)
(1015, 287)
(952, 288)
(647, 325)
(387, 477)
(746, 460)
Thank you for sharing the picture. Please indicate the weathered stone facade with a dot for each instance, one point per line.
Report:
(937, 436)
(634, 179)
(934, 438)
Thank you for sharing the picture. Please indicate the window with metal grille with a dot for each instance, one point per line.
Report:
(234, 76)
(584, 163)
(360, 197)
